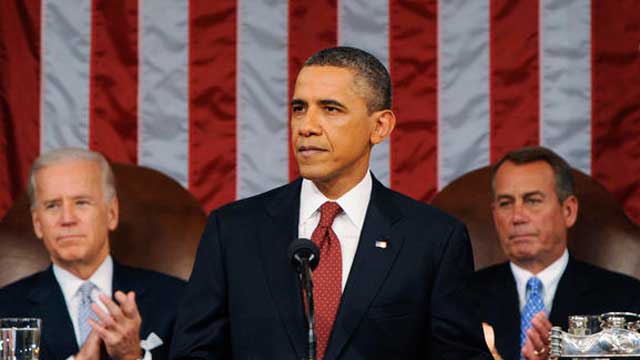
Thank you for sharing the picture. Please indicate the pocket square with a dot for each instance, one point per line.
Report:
(152, 342)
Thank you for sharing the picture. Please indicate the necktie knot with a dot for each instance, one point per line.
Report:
(85, 290)
(328, 212)
(534, 286)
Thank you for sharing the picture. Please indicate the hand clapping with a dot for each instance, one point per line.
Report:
(119, 329)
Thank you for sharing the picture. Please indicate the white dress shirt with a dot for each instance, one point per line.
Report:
(347, 225)
(550, 278)
(70, 284)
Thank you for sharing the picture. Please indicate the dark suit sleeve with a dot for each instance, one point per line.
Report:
(202, 326)
(456, 333)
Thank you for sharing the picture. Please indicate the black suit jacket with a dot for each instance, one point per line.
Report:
(39, 295)
(244, 301)
(583, 290)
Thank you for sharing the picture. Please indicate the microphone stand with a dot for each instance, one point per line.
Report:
(307, 288)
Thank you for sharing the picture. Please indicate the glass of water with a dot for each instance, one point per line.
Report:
(19, 338)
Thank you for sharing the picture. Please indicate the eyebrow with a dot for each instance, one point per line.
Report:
(527, 194)
(532, 193)
(298, 102)
(75, 197)
(331, 102)
(503, 197)
(322, 102)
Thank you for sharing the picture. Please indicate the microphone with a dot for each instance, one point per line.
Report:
(301, 250)
(304, 255)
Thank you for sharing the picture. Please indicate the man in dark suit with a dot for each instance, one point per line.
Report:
(390, 267)
(74, 206)
(534, 205)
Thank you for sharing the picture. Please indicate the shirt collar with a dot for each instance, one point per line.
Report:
(550, 276)
(101, 278)
(354, 203)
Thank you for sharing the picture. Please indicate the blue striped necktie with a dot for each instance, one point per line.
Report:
(84, 310)
(534, 305)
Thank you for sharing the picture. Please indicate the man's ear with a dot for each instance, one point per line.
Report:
(385, 121)
(37, 226)
(113, 213)
(570, 210)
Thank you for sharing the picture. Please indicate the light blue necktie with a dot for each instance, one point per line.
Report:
(534, 305)
(84, 310)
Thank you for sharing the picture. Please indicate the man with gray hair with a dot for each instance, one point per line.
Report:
(534, 205)
(74, 206)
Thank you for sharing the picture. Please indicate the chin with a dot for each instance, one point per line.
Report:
(523, 256)
(311, 173)
(70, 256)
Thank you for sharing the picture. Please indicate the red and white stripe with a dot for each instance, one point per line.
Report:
(200, 89)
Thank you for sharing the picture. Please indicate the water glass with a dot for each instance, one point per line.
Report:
(19, 338)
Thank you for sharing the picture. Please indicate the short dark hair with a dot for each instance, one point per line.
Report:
(366, 68)
(562, 171)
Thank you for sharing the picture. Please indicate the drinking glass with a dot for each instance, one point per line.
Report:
(19, 338)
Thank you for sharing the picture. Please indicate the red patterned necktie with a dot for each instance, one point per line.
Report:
(327, 277)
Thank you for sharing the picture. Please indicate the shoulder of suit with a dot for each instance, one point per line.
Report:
(491, 272)
(151, 277)
(418, 209)
(24, 283)
(257, 203)
(603, 275)
(20, 289)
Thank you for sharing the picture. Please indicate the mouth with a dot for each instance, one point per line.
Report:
(309, 150)
(521, 237)
(64, 238)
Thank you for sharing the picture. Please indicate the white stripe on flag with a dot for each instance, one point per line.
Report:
(463, 88)
(66, 56)
(365, 24)
(262, 97)
(163, 131)
(565, 93)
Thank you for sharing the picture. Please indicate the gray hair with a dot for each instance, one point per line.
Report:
(367, 69)
(68, 154)
(562, 171)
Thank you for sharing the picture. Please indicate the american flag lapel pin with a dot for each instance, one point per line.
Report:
(382, 244)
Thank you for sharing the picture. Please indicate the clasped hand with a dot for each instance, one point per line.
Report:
(118, 330)
(536, 346)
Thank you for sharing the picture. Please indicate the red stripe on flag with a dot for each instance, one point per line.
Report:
(212, 102)
(615, 133)
(113, 128)
(312, 27)
(515, 79)
(19, 95)
(413, 62)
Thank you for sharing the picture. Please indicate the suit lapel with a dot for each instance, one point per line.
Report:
(274, 237)
(570, 289)
(59, 339)
(503, 302)
(124, 281)
(370, 266)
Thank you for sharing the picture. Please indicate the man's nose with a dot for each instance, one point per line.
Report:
(519, 214)
(68, 215)
(309, 123)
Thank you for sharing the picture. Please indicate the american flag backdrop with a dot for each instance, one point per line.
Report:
(200, 89)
